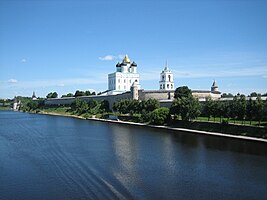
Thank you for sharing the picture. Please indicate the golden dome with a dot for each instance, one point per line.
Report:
(126, 59)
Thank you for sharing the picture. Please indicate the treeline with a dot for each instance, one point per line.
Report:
(77, 107)
(147, 110)
(186, 107)
(237, 109)
(81, 107)
(78, 93)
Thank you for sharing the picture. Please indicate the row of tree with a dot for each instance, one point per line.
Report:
(186, 107)
(78, 93)
(80, 107)
(237, 109)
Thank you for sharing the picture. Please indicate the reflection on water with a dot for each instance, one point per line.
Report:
(49, 157)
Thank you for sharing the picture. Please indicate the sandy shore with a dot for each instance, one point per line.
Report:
(163, 127)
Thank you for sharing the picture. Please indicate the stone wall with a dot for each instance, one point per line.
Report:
(165, 97)
(156, 94)
(110, 98)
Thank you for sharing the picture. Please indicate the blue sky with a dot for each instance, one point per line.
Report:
(68, 45)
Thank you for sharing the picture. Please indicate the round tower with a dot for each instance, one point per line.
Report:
(134, 90)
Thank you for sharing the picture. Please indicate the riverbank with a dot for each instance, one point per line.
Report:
(185, 130)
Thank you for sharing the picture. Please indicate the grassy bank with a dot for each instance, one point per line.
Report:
(233, 129)
(5, 108)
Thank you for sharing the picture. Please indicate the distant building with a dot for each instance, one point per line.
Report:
(124, 77)
(34, 96)
(166, 79)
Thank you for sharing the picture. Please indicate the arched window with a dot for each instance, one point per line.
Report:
(160, 86)
(171, 86)
(169, 78)
(163, 78)
(168, 86)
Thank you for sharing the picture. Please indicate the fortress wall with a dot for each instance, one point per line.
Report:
(110, 98)
(165, 103)
(59, 101)
(155, 94)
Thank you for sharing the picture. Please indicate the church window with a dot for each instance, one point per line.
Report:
(119, 80)
(168, 86)
(171, 86)
(124, 80)
(169, 78)
(130, 81)
(163, 86)
(163, 78)
(160, 86)
(119, 87)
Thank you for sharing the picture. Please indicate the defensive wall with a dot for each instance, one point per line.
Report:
(165, 97)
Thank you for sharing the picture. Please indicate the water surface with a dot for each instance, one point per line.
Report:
(51, 157)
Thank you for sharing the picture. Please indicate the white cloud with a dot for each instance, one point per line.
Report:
(23, 60)
(111, 57)
(61, 85)
(12, 80)
(108, 57)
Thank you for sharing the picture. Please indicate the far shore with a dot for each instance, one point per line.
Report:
(161, 127)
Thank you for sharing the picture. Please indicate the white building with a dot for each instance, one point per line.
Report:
(124, 77)
(166, 79)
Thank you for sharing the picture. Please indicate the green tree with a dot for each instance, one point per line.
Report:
(184, 104)
(52, 95)
(79, 106)
(241, 107)
(87, 93)
(104, 106)
(92, 104)
(249, 110)
(151, 104)
(188, 108)
(159, 116)
(32, 105)
(225, 95)
(79, 93)
(258, 109)
(208, 107)
(183, 91)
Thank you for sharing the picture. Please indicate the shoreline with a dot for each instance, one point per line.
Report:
(193, 131)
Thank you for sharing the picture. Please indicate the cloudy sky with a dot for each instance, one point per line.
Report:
(68, 45)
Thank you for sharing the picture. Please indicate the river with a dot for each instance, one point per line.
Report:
(53, 157)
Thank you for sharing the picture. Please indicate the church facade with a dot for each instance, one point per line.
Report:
(124, 77)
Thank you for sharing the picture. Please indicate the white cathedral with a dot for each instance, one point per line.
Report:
(124, 77)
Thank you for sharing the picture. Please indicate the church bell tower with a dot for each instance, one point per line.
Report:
(166, 79)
